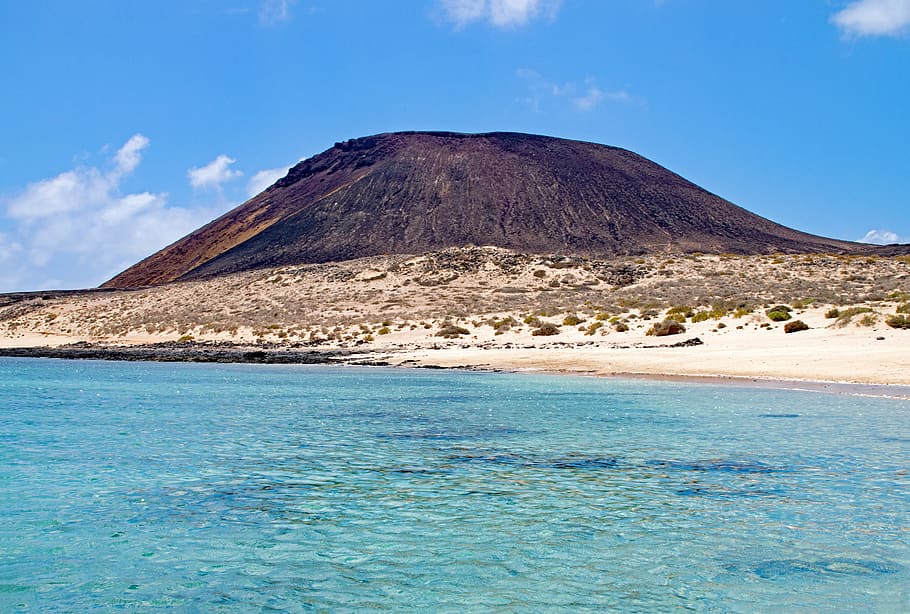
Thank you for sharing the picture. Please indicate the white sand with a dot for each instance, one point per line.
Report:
(392, 308)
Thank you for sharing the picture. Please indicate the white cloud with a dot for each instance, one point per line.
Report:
(500, 13)
(874, 18)
(591, 99)
(272, 12)
(584, 98)
(129, 156)
(263, 179)
(77, 230)
(882, 237)
(213, 174)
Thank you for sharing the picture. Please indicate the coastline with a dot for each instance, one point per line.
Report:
(587, 361)
(697, 317)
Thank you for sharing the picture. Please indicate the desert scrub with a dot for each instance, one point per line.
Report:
(803, 303)
(701, 316)
(385, 331)
(778, 313)
(740, 312)
(452, 331)
(846, 316)
(593, 328)
(572, 320)
(667, 327)
(795, 326)
(898, 321)
(682, 310)
(904, 308)
(832, 313)
(546, 329)
(186, 339)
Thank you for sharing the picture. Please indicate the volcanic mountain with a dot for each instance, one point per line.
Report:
(415, 192)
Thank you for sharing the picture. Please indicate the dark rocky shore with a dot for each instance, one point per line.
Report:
(196, 352)
(226, 352)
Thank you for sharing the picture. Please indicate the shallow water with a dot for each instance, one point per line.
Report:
(244, 488)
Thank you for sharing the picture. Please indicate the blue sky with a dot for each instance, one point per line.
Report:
(128, 124)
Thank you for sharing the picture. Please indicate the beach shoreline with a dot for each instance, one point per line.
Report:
(586, 361)
(829, 319)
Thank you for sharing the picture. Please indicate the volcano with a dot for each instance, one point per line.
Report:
(415, 192)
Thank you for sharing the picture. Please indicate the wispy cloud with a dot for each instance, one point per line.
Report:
(883, 237)
(499, 13)
(77, 229)
(263, 179)
(874, 18)
(273, 12)
(585, 97)
(213, 174)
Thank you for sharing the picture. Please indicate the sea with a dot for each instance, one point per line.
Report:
(146, 487)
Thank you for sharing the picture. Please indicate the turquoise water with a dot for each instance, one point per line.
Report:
(244, 488)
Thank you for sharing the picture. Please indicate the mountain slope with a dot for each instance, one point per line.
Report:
(417, 192)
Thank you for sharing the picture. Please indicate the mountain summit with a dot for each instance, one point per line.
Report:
(414, 192)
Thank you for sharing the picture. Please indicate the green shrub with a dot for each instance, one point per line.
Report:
(185, 339)
(701, 316)
(832, 313)
(847, 315)
(898, 321)
(795, 326)
(383, 331)
(593, 328)
(503, 325)
(681, 310)
(572, 320)
(667, 327)
(778, 313)
(905, 308)
(620, 327)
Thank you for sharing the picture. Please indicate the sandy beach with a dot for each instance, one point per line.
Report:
(486, 308)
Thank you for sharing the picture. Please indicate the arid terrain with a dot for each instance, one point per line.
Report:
(488, 307)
